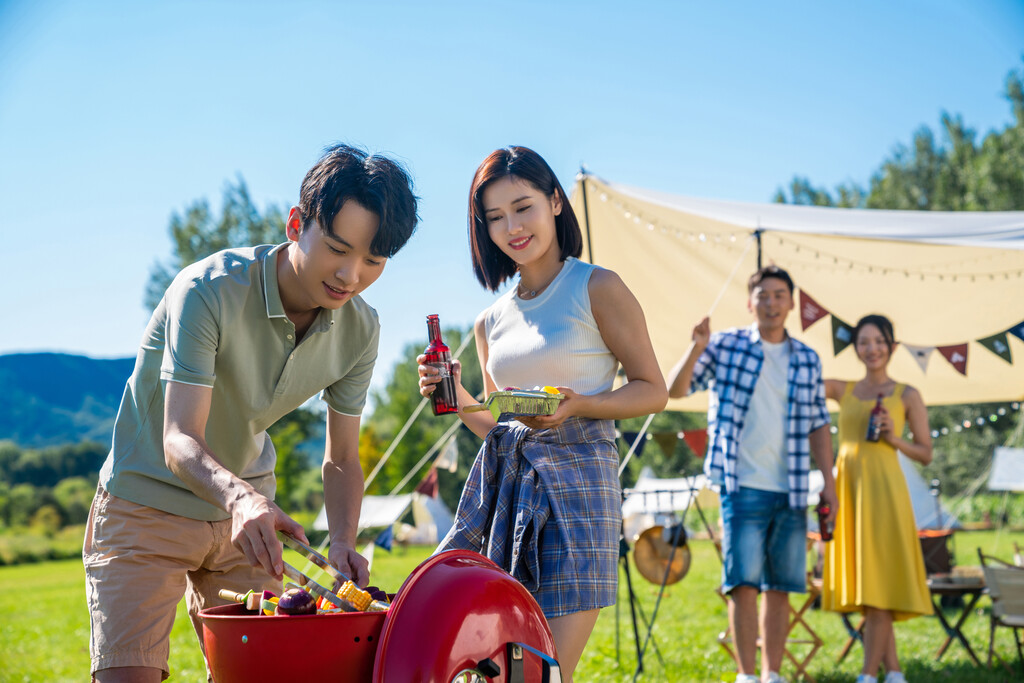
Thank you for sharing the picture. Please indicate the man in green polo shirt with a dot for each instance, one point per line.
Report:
(185, 498)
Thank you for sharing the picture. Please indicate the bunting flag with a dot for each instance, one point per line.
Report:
(810, 311)
(385, 537)
(630, 437)
(667, 442)
(920, 353)
(428, 487)
(956, 354)
(999, 345)
(1018, 330)
(449, 458)
(842, 335)
(697, 440)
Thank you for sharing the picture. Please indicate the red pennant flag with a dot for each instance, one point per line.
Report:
(810, 310)
(956, 355)
(697, 440)
(428, 487)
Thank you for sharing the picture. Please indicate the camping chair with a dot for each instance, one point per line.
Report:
(1018, 555)
(1005, 583)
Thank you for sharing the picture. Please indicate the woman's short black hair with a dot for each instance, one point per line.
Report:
(375, 182)
(491, 265)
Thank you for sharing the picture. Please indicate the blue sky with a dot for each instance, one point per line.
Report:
(114, 115)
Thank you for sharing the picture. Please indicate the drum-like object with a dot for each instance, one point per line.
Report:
(661, 554)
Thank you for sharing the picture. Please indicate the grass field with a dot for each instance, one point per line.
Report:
(44, 629)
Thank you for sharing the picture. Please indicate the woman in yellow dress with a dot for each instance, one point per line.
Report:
(874, 564)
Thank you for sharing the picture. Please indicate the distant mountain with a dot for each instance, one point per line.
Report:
(50, 399)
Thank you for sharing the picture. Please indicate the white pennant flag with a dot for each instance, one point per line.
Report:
(449, 458)
(920, 353)
(367, 553)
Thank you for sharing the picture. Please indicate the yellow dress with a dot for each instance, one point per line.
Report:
(874, 559)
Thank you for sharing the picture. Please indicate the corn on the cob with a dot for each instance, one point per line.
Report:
(359, 598)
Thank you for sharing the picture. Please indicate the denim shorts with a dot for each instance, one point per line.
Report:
(764, 542)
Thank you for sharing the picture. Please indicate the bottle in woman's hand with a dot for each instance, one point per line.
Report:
(875, 421)
(444, 399)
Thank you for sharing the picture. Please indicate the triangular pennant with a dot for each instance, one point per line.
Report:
(449, 458)
(428, 487)
(920, 353)
(385, 537)
(810, 310)
(956, 354)
(697, 440)
(630, 437)
(667, 442)
(1018, 330)
(999, 345)
(842, 335)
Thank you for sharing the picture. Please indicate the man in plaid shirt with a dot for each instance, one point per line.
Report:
(766, 419)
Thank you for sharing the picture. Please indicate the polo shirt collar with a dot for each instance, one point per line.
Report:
(271, 291)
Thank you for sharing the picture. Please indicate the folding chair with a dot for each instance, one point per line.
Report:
(1005, 583)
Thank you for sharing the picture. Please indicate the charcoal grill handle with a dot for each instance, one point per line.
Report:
(551, 671)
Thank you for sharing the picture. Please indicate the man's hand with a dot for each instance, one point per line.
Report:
(255, 520)
(702, 333)
(828, 497)
(350, 563)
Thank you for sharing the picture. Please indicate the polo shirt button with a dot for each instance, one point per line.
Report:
(288, 336)
(291, 356)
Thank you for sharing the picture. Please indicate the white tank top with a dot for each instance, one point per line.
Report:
(550, 340)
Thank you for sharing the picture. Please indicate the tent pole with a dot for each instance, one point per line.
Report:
(586, 211)
(757, 235)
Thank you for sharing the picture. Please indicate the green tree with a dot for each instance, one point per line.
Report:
(951, 172)
(74, 497)
(198, 233)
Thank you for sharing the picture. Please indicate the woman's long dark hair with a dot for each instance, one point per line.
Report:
(884, 326)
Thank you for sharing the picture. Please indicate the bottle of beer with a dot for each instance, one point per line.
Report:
(823, 528)
(443, 399)
(875, 421)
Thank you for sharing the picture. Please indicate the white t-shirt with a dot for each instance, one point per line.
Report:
(762, 455)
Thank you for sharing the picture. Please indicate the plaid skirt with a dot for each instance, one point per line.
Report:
(546, 506)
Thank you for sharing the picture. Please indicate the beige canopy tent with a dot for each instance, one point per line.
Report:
(947, 280)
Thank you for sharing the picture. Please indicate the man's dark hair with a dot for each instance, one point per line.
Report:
(375, 182)
(767, 272)
(490, 264)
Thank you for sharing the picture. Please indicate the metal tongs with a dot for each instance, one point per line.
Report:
(307, 582)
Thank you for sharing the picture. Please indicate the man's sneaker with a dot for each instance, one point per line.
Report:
(895, 677)
(774, 677)
(864, 678)
(747, 678)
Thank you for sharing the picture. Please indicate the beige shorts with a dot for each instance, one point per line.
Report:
(139, 562)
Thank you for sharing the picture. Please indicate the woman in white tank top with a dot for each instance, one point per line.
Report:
(552, 502)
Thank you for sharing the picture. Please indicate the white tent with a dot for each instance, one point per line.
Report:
(1007, 472)
(952, 282)
(654, 500)
(432, 518)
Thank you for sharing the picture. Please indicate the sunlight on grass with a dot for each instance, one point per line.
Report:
(44, 632)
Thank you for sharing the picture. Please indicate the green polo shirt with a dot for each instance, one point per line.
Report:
(221, 324)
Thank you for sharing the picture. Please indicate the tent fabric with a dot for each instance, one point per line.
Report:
(1007, 472)
(376, 511)
(944, 278)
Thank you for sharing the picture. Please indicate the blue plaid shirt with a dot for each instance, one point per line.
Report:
(732, 363)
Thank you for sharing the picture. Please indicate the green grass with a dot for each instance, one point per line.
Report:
(44, 628)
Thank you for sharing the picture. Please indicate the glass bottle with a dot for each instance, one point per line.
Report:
(875, 421)
(443, 400)
(824, 529)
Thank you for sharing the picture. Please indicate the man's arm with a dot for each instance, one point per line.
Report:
(255, 518)
(821, 451)
(343, 494)
(680, 378)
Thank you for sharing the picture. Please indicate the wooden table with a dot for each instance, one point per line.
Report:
(971, 592)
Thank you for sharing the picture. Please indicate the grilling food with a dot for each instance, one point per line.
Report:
(296, 601)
